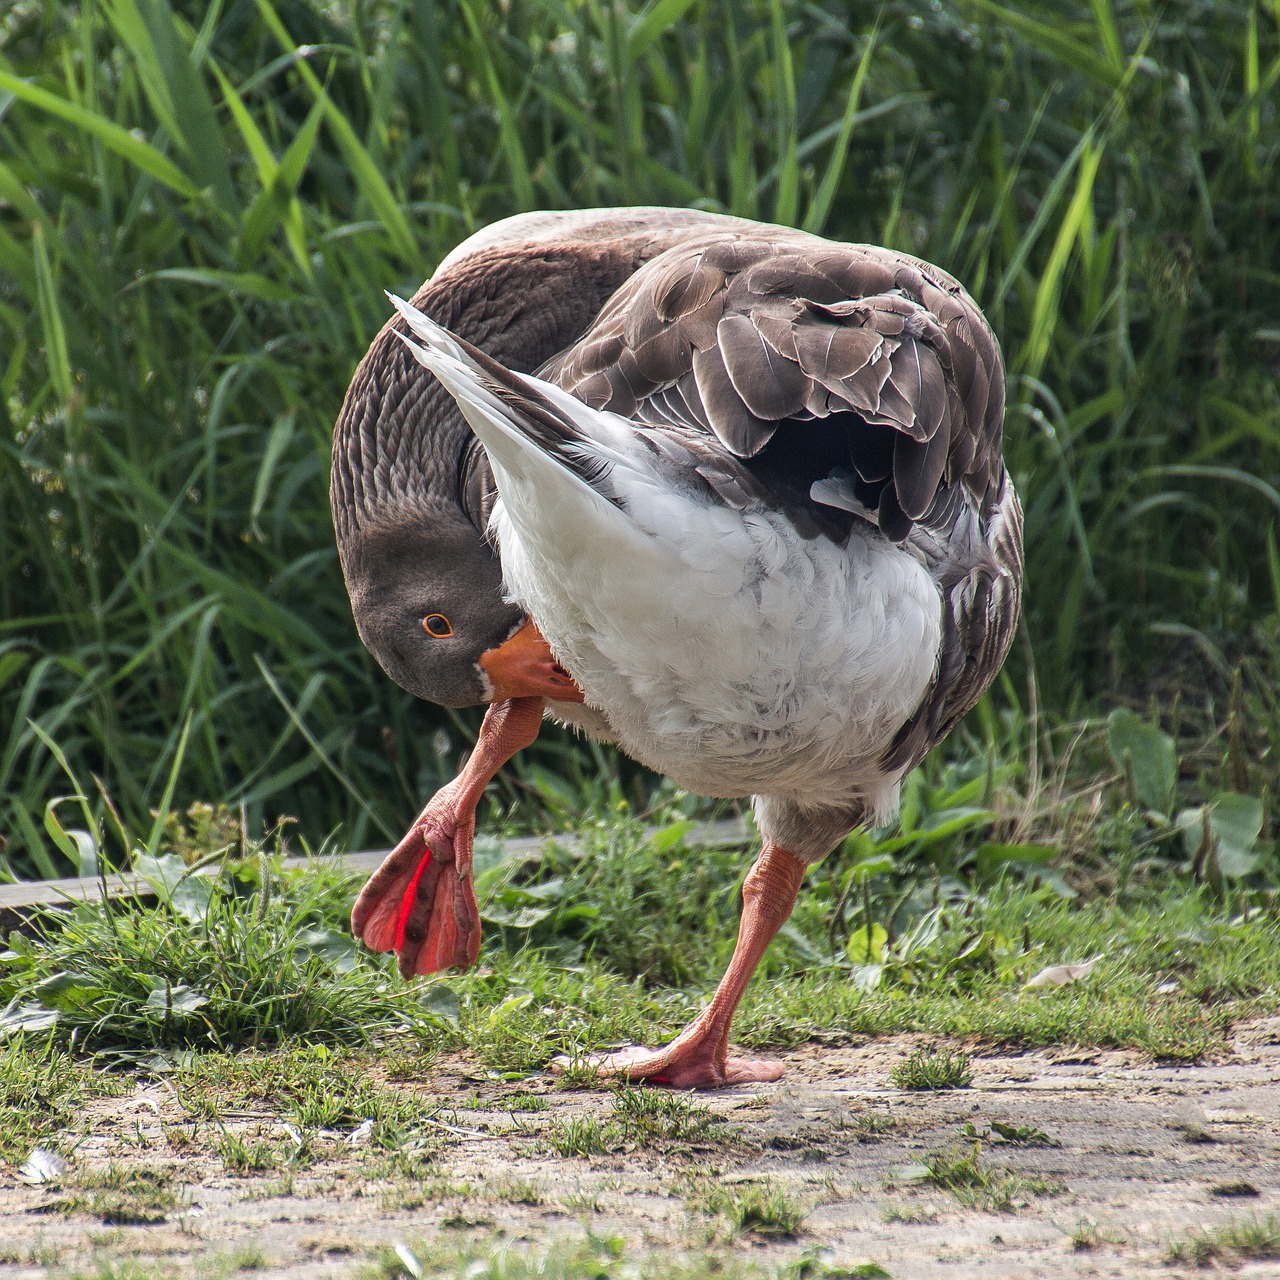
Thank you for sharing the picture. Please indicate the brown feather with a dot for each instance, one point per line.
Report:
(916, 377)
(775, 319)
(783, 275)
(861, 390)
(917, 471)
(663, 355)
(771, 386)
(741, 431)
(833, 352)
(682, 288)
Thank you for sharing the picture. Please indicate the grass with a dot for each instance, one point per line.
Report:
(247, 958)
(656, 1118)
(910, 1214)
(199, 211)
(244, 1156)
(653, 1120)
(976, 1184)
(41, 1090)
(1087, 1236)
(579, 1136)
(760, 1209)
(928, 1069)
(109, 1269)
(1240, 1240)
(253, 957)
(526, 1102)
(139, 1195)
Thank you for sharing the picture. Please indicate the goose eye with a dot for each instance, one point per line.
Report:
(436, 624)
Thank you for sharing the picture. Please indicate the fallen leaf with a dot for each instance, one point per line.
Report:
(1059, 975)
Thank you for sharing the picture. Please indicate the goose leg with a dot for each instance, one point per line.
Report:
(698, 1058)
(421, 902)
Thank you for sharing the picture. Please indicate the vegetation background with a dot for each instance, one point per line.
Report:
(201, 204)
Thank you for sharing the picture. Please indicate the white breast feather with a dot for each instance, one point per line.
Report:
(731, 654)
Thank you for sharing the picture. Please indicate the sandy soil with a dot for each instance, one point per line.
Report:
(1144, 1153)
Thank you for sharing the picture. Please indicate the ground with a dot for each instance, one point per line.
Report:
(1109, 1165)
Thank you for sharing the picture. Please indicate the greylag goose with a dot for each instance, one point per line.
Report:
(757, 507)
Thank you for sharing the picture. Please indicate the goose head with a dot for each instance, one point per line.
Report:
(424, 579)
(428, 603)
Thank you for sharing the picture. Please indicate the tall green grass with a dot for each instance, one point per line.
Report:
(200, 205)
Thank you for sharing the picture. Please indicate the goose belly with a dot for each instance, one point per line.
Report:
(726, 651)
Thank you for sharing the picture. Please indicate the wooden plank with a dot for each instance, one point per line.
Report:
(21, 900)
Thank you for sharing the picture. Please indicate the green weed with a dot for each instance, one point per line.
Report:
(1088, 1236)
(1240, 1240)
(1008, 1134)
(977, 1185)
(525, 1102)
(243, 1155)
(247, 957)
(658, 1118)
(262, 967)
(652, 1119)
(40, 1088)
(932, 1069)
(578, 1136)
(761, 1209)
(120, 1196)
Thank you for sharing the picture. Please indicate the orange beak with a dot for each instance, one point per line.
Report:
(524, 667)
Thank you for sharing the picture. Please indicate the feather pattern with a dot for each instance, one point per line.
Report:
(775, 326)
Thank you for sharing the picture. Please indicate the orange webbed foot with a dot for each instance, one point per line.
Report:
(421, 902)
(690, 1066)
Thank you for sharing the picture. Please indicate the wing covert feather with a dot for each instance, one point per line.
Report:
(733, 332)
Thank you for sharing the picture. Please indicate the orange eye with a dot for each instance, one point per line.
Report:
(436, 624)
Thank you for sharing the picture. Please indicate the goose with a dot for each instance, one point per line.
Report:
(756, 525)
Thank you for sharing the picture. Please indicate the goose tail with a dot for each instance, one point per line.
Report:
(521, 420)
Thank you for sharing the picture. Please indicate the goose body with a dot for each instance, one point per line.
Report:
(757, 509)
(727, 652)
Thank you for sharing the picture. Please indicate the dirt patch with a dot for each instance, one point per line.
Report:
(1111, 1158)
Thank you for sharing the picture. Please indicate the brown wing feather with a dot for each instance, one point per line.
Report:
(739, 330)
(741, 432)
(771, 386)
